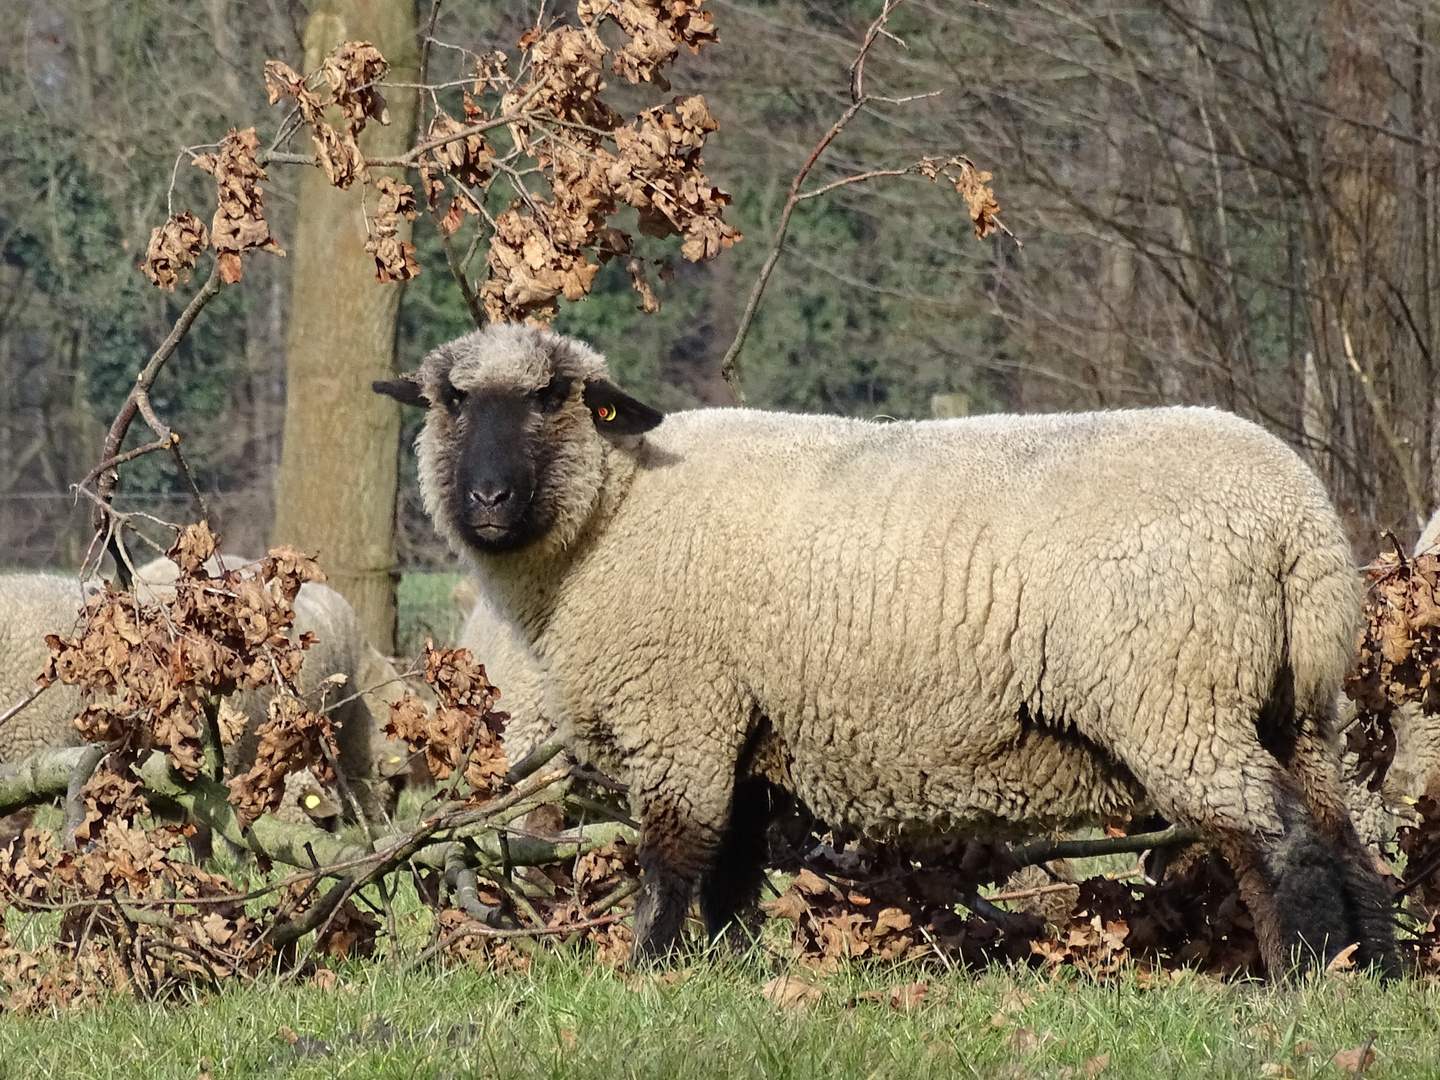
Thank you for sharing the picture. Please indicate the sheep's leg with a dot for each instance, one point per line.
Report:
(677, 848)
(1295, 885)
(733, 881)
(1297, 881)
(1315, 768)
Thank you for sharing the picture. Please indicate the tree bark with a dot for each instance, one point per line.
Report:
(335, 491)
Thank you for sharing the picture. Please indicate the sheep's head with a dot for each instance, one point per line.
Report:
(520, 421)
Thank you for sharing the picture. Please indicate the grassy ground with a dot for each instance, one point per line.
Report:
(566, 1018)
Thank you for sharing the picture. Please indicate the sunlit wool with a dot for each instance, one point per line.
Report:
(995, 625)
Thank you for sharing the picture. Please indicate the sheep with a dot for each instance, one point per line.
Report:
(31, 606)
(989, 626)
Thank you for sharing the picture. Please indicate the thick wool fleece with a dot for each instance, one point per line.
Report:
(31, 606)
(991, 625)
(511, 664)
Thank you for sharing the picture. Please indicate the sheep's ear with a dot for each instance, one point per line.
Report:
(405, 390)
(616, 412)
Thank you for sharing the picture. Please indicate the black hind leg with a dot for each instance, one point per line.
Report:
(733, 881)
(1310, 897)
(1370, 901)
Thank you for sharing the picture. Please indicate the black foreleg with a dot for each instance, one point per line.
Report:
(733, 881)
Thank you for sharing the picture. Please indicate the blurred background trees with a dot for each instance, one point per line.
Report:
(1214, 197)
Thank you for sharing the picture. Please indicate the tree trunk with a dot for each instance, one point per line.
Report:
(336, 487)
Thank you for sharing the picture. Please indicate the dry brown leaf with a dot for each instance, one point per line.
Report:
(1350, 1060)
(1344, 960)
(239, 224)
(971, 183)
(173, 249)
(649, 302)
(791, 993)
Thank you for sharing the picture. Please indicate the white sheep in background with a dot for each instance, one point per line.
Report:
(31, 606)
(365, 754)
(987, 626)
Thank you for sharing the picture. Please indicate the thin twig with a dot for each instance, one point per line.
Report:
(108, 478)
(1364, 1053)
(858, 100)
(1392, 439)
(9, 713)
(872, 175)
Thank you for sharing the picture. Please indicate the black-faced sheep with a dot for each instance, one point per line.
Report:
(988, 626)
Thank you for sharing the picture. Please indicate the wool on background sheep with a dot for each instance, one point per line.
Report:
(366, 756)
(987, 627)
(31, 606)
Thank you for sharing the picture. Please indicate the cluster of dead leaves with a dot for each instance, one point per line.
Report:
(350, 72)
(136, 919)
(1399, 658)
(1400, 643)
(239, 224)
(656, 29)
(173, 249)
(879, 903)
(394, 258)
(154, 672)
(560, 902)
(463, 732)
(543, 248)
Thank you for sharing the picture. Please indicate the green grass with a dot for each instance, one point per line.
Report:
(567, 1018)
(424, 610)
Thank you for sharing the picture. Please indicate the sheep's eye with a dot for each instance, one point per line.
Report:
(553, 394)
(452, 398)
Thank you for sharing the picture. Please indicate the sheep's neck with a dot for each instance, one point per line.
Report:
(529, 583)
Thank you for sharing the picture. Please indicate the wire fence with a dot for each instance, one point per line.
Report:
(51, 529)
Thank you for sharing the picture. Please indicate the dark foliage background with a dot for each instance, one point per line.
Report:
(1212, 196)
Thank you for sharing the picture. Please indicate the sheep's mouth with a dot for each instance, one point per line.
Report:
(493, 535)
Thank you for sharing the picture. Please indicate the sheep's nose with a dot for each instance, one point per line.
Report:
(489, 497)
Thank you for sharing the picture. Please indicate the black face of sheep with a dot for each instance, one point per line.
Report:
(505, 445)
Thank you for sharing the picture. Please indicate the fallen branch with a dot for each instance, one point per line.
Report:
(90, 759)
(41, 776)
(1043, 851)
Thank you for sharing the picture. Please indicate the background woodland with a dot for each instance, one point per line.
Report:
(1228, 202)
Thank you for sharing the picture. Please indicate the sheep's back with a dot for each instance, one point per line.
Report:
(31, 606)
